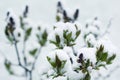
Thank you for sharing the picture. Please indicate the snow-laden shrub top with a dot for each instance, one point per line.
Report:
(64, 34)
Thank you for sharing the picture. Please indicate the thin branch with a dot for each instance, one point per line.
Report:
(17, 52)
(74, 51)
(24, 57)
(33, 65)
(30, 75)
(36, 57)
(18, 56)
(108, 26)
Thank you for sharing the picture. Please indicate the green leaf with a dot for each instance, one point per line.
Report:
(43, 39)
(58, 61)
(57, 39)
(53, 64)
(110, 59)
(10, 39)
(21, 23)
(44, 35)
(27, 33)
(104, 56)
(65, 33)
(58, 45)
(89, 44)
(58, 18)
(33, 52)
(42, 42)
(77, 34)
(69, 36)
(57, 64)
(8, 67)
(102, 65)
(7, 33)
(63, 63)
(87, 63)
(101, 48)
(99, 52)
(87, 77)
(72, 44)
(55, 43)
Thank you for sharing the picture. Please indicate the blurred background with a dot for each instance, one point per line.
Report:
(45, 11)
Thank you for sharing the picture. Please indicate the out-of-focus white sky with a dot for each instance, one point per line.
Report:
(45, 11)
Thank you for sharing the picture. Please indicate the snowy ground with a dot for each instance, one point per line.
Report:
(45, 10)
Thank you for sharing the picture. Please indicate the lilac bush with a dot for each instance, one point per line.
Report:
(66, 57)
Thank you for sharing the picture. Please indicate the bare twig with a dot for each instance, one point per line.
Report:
(24, 57)
(74, 51)
(33, 65)
(108, 26)
(18, 56)
(30, 73)
(36, 57)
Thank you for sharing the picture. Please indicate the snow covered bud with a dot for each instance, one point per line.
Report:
(80, 58)
(10, 27)
(76, 14)
(59, 4)
(11, 21)
(59, 7)
(96, 18)
(25, 13)
(65, 17)
(8, 13)
(65, 14)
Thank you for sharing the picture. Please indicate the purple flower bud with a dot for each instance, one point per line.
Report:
(76, 14)
(65, 14)
(59, 4)
(96, 18)
(81, 56)
(8, 13)
(26, 11)
(11, 21)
